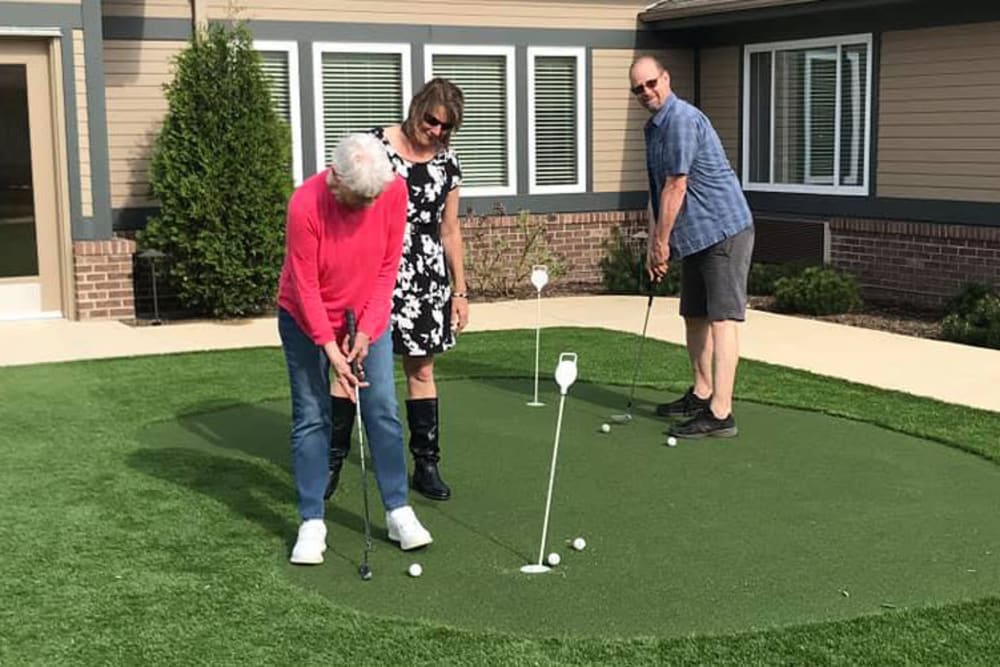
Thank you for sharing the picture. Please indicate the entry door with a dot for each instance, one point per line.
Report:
(30, 272)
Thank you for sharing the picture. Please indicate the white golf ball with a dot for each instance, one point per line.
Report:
(671, 441)
(579, 544)
(605, 428)
(553, 559)
(415, 570)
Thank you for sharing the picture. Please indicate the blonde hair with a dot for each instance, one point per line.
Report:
(436, 93)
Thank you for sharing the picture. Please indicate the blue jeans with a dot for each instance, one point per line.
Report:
(309, 377)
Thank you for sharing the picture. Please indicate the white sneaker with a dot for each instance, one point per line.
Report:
(311, 544)
(406, 529)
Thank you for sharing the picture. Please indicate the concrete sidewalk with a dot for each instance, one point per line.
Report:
(945, 371)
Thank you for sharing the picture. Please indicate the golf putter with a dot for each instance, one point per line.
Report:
(364, 570)
(626, 417)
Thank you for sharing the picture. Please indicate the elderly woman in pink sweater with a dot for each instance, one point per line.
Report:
(343, 244)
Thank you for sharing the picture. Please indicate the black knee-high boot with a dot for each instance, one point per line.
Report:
(342, 416)
(422, 415)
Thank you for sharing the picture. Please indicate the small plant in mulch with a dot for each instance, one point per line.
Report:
(499, 259)
(623, 267)
(974, 317)
(817, 291)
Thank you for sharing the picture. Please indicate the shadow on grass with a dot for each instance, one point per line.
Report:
(184, 452)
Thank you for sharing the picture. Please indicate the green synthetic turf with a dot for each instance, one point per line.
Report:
(803, 518)
(120, 549)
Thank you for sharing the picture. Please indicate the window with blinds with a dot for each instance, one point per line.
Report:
(806, 118)
(556, 120)
(358, 87)
(279, 64)
(485, 142)
(275, 67)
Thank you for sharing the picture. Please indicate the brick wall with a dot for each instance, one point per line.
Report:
(103, 279)
(575, 238)
(917, 263)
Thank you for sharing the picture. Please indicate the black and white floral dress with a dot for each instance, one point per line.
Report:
(421, 301)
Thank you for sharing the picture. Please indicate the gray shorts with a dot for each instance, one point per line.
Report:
(714, 280)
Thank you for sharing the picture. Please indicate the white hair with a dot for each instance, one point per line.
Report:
(362, 165)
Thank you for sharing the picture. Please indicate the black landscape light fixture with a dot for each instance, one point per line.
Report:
(152, 255)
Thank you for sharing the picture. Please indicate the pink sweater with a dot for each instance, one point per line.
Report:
(338, 258)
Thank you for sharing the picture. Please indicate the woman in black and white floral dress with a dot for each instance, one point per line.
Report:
(430, 302)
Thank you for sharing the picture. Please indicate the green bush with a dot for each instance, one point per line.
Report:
(968, 298)
(817, 291)
(975, 317)
(623, 268)
(220, 170)
(763, 276)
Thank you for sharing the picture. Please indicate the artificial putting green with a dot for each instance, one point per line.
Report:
(803, 518)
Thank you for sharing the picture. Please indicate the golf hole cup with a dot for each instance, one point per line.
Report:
(539, 276)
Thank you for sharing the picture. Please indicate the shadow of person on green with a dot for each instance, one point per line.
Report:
(231, 454)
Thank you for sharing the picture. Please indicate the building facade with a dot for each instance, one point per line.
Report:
(864, 133)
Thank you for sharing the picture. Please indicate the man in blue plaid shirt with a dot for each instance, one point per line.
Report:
(700, 216)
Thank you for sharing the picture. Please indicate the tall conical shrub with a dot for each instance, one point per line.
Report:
(221, 172)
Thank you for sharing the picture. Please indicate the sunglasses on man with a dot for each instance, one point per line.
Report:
(433, 121)
(650, 85)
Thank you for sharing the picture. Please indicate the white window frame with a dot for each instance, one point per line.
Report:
(294, 98)
(838, 42)
(319, 48)
(580, 53)
(431, 50)
(807, 114)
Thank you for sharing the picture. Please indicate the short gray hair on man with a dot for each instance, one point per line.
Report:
(362, 165)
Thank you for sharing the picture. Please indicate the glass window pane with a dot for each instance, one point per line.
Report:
(360, 91)
(805, 106)
(555, 120)
(853, 100)
(482, 142)
(760, 117)
(18, 246)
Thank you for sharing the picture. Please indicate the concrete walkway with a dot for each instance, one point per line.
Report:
(945, 371)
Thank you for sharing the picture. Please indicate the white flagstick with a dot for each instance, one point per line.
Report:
(539, 278)
(565, 377)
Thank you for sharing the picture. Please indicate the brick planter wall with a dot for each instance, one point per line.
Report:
(102, 273)
(576, 238)
(917, 263)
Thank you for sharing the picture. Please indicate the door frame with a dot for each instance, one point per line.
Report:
(62, 274)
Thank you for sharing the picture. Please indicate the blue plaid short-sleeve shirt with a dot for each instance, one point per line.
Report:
(680, 140)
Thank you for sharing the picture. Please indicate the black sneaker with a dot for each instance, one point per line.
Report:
(687, 405)
(705, 425)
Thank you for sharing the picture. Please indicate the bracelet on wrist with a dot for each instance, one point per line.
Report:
(459, 295)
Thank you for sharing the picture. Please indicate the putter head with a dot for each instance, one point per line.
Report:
(365, 572)
(622, 418)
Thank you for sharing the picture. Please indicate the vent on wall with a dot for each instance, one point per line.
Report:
(783, 240)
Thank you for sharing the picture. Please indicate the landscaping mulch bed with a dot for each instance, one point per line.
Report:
(892, 318)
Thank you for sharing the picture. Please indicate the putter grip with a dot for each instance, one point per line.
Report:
(352, 334)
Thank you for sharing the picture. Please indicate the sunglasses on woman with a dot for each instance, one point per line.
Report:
(432, 120)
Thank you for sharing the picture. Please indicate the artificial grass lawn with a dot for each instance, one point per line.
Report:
(771, 529)
(120, 548)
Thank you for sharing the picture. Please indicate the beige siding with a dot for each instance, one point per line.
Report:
(174, 9)
(720, 96)
(82, 124)
(597, 14)
(939, 113)
(134, 76)
(617, 119)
